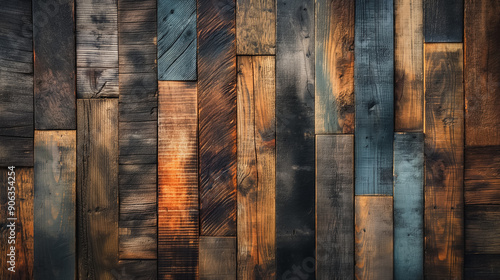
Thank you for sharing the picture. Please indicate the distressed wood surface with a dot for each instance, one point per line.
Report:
(256, 167)
(373, 237)
(334, 49)
(408, 206)
(374, 98)
(295, 174)
(217, 116)
(217, 258)
(54, 205)
(444, 112)
(408, 65)
(136, 270)
(176, 40)
(443, 21)
(97, 185)
(334, 207)
(256, 22)
(482, 267)
(482, 229)
(482, 175)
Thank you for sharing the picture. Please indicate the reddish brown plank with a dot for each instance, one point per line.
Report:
(217, 258)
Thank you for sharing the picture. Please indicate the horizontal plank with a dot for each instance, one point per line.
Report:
(482, 175)
(482, 229)
(482, 267)
(217, 258)
(136, 269)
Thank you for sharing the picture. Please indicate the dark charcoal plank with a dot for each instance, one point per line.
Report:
(217, 258)
(482, 267)
(443, 21)
(136, 270)
(482, 229)
(482, 175)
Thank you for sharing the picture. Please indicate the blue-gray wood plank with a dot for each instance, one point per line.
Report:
(374, 95)
(176, 40)
(443, 21)
(408, 206)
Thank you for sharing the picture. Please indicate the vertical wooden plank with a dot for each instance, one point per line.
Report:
(334, 49)
(408, 206)
(444, 21)
(54, 64)
(444, 111)
(482, 228)
(334, 206)
(217, 116)
(374, 237)
(97, 185)
(137, 270)
(54, 205)
(256, 168)
(374, 86)
(16, 80)
(22, 181)
(256, 27)
(217, 258)
(176, 40)
(408, 65)
(295, 213)
(178, 217)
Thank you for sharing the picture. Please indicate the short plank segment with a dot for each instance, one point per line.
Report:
(444, 21)
(295, 174)
(16, 80)
(54, 205)
(482, 228)
(374, 237)
(334, 66)
(408, 65)
(482, 267)
(176, 40)
(217, 258)
(334, 207)
(217, 116)
(136, 270)
(482, 175)
(97, 185)
(408, 206)
(256, 168)
(374, 87)
(256, 27)
(178, 217)
(23, 211)
(444, 112)
(54, 64)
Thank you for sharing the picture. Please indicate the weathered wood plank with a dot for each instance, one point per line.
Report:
(256, 167)
(482, 175)
(334, 48)
(482, 228)
(408, 206)
(295, 174)
(54, 64)
(217, 116)
(482, 267)
(256, 27)
(444, 20)
(374, 237)
(334, 207)
(97, 185)
(374, 86)
(217, 258)
(176, 40)
(137, 270)
(54, 205)
(408, 65)
(444, 111)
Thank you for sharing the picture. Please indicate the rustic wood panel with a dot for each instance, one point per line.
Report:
(176, 40)
(408, 65)
(482, 267)
(374, 237)
(217, 116)
(137, 270)
(54, 205)
(334, 207)
(54, 64)
(482, 229)
(374, 85)
(482, 175)
(408, 206)
(256, 22)
(217, 258)
(444, 20)
(334, 49)
(295, 174)
(256, 167)
(97, 185)
(444, 106)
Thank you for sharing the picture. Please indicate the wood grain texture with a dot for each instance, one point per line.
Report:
(54, 64)
(178, 215)
(137, 270)
(482, 229)
(295, 174)
(97, 185)
(217, 258)
(482, 72)
(482, 175)
(443, 21)
(334, 207)
(374, 237)
(408, 65)
(334, 49)
(256, 27)
(256, 167)
(374, 86)
(23, 188)
(408, 206)
(444, 111)
(482, 267)
(217, 116)
(54, 205)
(16, 83)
